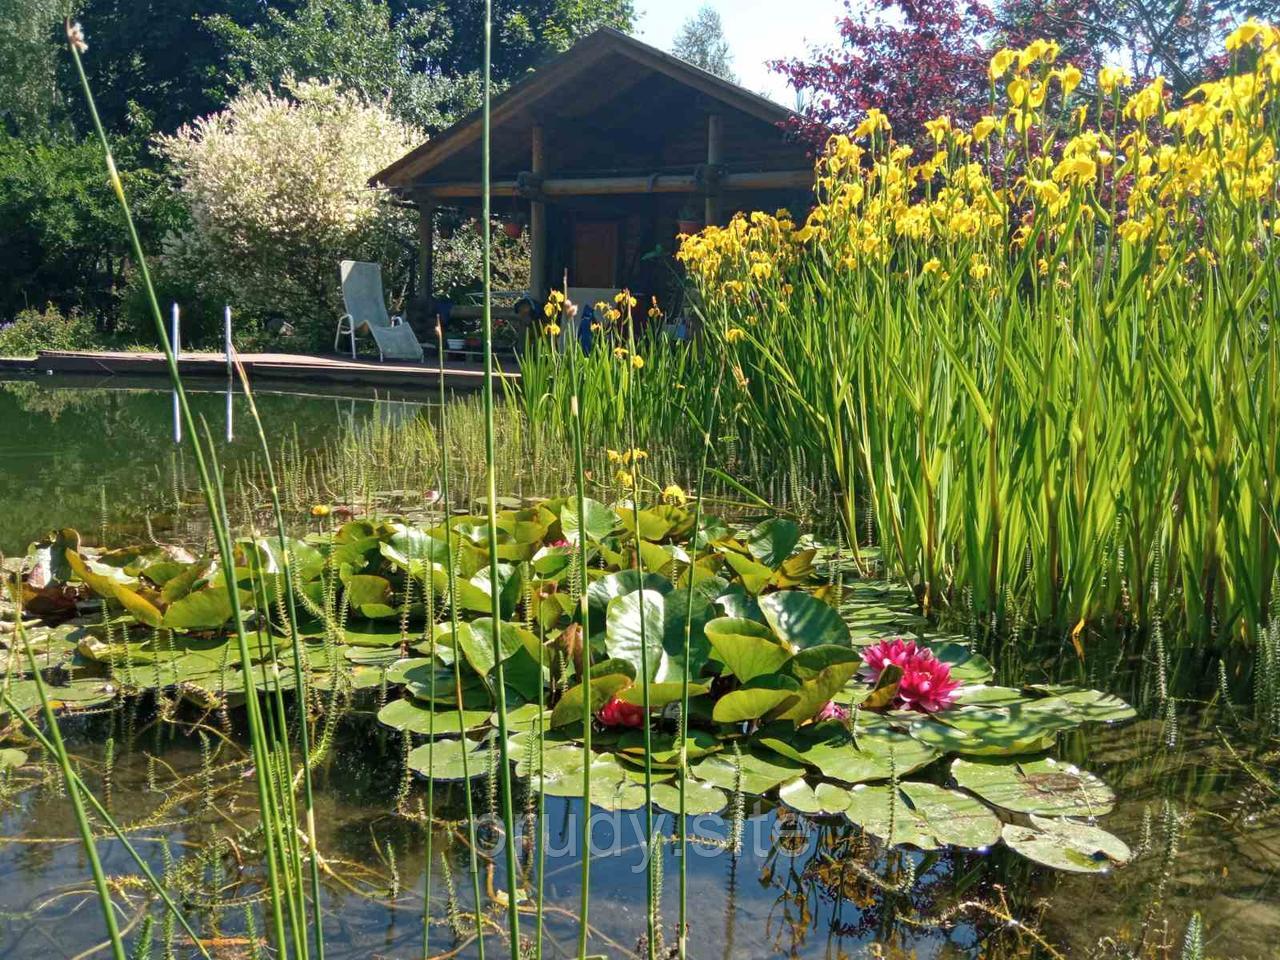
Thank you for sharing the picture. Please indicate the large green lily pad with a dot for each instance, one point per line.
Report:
(418, 717)
(802, 620)
(760, 772)
(445, 759)
(922, 815)
(745, 647)
(1046, 787)
(1066, 845)
(830, 748)
(699, 798)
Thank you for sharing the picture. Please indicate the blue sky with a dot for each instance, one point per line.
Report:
(758, 30)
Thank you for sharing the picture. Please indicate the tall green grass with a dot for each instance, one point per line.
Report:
(1041, 368)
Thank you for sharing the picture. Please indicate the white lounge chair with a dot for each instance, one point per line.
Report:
(367, 313)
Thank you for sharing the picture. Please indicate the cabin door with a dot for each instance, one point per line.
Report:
(595, 254)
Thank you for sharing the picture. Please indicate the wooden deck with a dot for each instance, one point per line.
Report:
(263, 367)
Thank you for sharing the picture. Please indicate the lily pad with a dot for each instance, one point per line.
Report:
(1066, 845)
(445, 759)
(767, 695)
(922, 815)
(1046, 787)
(1086, 706)
(831, 749)
(994, 731)
(699, 798)
(772, 541)
(600, 520)
(11, 759)
(760, 773)
(965, 664)
(416, 716)
(801, 620)
(822, 799)
(747, 648)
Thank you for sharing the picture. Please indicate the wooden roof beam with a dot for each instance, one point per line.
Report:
(606, 186)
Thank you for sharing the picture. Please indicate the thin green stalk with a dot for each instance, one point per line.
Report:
(682, 933)
(585, 679)
(106, 818)
(428, 592)
(636, 364)
(217, 515)
(491, 485)
(73, 792)
(457, 653)
(303, 676)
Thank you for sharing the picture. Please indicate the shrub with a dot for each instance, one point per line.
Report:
(277, 189)
(33, 330)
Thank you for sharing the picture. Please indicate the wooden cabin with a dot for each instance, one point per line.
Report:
(600, 154)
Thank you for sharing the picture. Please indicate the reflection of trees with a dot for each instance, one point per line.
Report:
(835, 882)
(62, 447)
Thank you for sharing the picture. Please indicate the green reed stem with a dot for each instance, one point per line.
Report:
(583, 612)
(709, 424)
(646, 730)
(59, 751)
(303, 676)
(217, 517)
(491, 485)
(457, 654)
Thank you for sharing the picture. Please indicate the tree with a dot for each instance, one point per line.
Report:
(525, 32)
(1179, 39)
(913, 59)
(701, 41)
(29, 95)
(151, 59)
(277, 188)
(62, 235)
(358, 44)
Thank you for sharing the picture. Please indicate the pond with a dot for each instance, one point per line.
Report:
(1205, 835)
(78, 455)
(1199, 810)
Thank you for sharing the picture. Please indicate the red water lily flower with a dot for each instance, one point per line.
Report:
(617, 713)
(926, 684)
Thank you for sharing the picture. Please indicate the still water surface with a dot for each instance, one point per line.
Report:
(1202, 818)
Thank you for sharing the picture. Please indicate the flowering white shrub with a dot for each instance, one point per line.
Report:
(277, 189)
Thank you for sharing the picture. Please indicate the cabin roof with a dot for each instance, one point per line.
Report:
(609, 103)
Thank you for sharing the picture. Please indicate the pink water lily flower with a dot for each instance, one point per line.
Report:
(926, 684)
(618, 713)
(831, 711)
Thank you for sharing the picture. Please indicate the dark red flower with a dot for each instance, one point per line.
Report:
(618, 713)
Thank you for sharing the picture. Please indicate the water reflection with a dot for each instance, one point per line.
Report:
(1204, 829)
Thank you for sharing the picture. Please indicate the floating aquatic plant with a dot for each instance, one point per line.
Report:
(785, 692)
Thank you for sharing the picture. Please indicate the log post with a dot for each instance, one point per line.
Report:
(538, 222)
(715, 155)
(426, 255)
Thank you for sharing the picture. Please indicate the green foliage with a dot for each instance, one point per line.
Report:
(701, 41)
(29, 57)
(33, 330)
(361, 45)
(277, 188)
(61, 231)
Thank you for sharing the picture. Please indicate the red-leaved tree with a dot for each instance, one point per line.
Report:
(913, 59)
